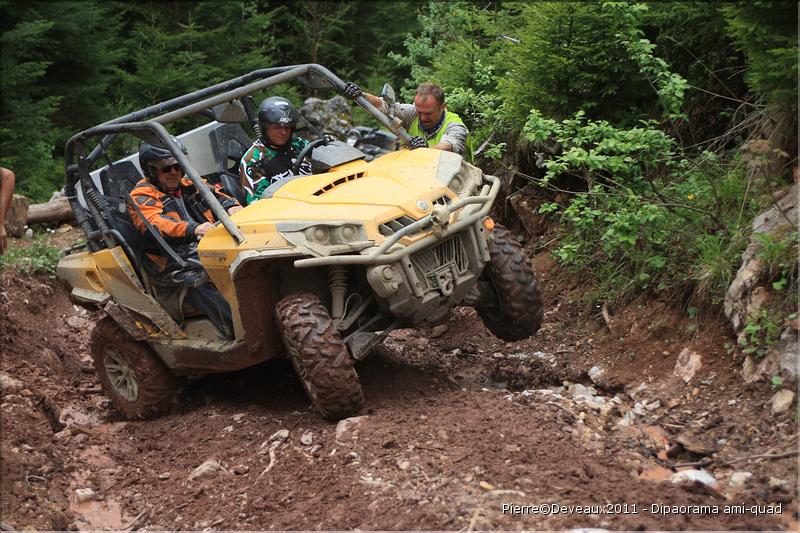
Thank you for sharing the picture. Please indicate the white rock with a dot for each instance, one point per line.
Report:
(689, 476)
(280, 435)
(238, 416)
(635, 392)
(596, 373)
(581, 393)
(9, 385)
(349, 426)
(776, 483)
(738, 479)
(307, 438)
(84, 495)
(653, 405)
(781, 401)
(687, 365)
(206, 470)
(627, 419)
(28, 235)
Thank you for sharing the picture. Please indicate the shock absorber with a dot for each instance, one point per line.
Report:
(337, 279)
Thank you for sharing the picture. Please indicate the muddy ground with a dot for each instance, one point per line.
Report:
(461, 431)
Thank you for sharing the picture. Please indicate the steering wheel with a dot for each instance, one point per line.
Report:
(306, 152)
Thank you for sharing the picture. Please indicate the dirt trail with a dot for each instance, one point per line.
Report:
(458, 428)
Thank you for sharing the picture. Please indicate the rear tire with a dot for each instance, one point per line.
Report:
(319, 356)
(138, 383)
(516, 312)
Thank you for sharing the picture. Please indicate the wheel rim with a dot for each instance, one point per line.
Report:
(120, 374)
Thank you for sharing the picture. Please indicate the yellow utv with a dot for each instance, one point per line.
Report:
(319, 270)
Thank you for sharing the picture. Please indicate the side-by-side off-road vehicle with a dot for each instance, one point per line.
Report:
(320, 269)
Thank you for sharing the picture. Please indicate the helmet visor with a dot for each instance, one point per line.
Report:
(164, 163)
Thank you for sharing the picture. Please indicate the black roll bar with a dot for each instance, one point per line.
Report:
(192, 104)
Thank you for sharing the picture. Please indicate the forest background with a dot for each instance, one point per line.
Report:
(651, 132)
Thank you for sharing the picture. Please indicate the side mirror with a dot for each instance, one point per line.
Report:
(387, 93)
(229, 112)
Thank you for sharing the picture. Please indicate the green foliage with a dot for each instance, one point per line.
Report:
(761, 331)
(669, 85)
(779, 252)
(654, 214)
(570, 57)
(767, 34)
(70, 65)
(38, 258)
(26, 135)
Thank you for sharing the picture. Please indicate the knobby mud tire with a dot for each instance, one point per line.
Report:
(319, 356)
(156, 383)
(518, 311)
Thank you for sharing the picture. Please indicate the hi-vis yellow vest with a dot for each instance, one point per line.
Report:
(449, 117)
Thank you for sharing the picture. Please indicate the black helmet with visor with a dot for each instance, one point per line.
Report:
(152, 158)
(276, 110)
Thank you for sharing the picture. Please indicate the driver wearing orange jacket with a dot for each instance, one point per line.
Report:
(173, 207)
(171, 203)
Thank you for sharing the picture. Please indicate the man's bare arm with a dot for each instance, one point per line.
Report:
(376, 101)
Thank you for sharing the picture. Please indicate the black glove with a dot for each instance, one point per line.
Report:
(417, 142)
(351, 90)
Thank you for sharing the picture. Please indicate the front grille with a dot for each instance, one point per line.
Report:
(442, 200)
(446, 258)
(390, 227)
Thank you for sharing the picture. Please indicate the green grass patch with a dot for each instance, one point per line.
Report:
(38, 258)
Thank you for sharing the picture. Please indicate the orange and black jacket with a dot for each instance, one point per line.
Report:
(175, 222)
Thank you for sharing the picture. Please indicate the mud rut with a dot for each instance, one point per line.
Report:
(457, 427)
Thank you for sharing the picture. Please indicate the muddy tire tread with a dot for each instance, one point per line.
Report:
(516, 286)
(157, 384)
(319, 355)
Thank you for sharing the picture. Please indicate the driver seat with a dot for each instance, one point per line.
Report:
(229, 143)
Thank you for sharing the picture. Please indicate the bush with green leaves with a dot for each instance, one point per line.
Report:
(655, 217)
(38, 258)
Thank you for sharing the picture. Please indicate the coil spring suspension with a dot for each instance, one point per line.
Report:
(337, 280)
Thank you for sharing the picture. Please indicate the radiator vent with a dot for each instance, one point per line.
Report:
(390, 227)
(341, 181)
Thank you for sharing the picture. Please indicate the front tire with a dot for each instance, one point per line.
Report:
(516, 310)
(139, 384)
(319, 356)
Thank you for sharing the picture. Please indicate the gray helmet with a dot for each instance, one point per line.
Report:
(276, 110)
(149, 154)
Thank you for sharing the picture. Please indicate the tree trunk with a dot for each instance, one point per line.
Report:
(56, 211)
(16, 216)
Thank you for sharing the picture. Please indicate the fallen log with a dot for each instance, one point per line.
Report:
(56, 211)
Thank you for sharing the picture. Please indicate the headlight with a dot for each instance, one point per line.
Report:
(322, 239)
(318, 234)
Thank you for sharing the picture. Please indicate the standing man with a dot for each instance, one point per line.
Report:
(172, 206)
(7, 179)
(273, 154)
(428, 121)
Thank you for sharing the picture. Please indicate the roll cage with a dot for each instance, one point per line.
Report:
(226, 102)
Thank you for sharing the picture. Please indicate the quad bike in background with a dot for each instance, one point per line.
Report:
(319, 270)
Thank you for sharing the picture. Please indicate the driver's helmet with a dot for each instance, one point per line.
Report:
(149, 153)
(276, 110)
